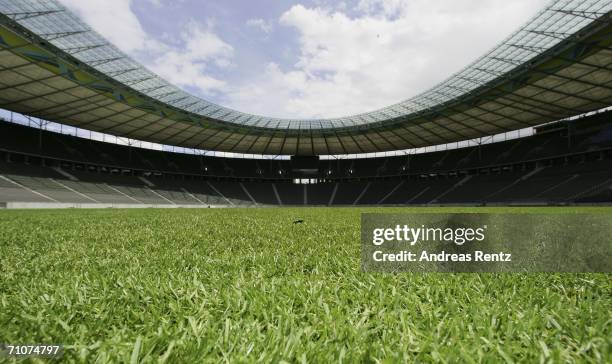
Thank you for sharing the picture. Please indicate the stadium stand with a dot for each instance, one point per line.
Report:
(564, 162)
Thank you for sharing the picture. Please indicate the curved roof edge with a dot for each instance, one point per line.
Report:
(557, 23)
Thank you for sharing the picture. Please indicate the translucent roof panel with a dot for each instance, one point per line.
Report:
(53, 22)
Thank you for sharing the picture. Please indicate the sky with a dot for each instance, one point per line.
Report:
(305, 58)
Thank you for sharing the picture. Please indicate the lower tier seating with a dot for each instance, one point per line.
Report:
(587, 182)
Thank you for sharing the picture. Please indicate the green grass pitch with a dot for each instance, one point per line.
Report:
(247, 285)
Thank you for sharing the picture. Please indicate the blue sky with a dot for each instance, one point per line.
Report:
(304, 59)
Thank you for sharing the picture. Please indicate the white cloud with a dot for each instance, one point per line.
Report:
(393, 50)
(264, 26)
(114, 20)
(187, 65)
(184, 63)
(383, 7)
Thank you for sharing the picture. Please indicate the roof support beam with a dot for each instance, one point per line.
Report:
(99, 62)
(474, 117)
(526, 100)
(131, 133)
(54, 36)
(118, 73)
(593, 15)
(15, 67)
(578, 79)
(161, 96)
(31, 14)
(461, 123)
(365, 135)
(385, 139)
(151, 89)
(494, 73)
(559, 92)
(297, 143)
(131, 83)
(165, 140)
(344, 150)
(326, 144)
(216, 146)
(189, 105)
(265, 149)
(201, 144)
(529, 48)
(46, 109)
(77, 50)
(515, 105)
(416, 136)
(434, 121)
(200, 109)
(563, 37)
(189, 138)
(173, 102)
(441, 140)
(255, 140)
(504, 116)
(238, 142)
(437, 122)
(528, 104)
(361, 150)
(518, 63)
(110, 128)
(29, 82)
(282, 144)
(395, 132)
(33, 97)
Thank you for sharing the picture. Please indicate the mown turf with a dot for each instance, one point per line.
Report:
(243, 285)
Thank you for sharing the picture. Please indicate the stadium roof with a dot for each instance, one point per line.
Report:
(53, 66)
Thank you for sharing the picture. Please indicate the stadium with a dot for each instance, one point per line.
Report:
(260, 263)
